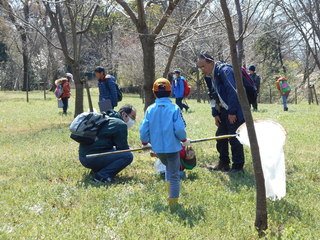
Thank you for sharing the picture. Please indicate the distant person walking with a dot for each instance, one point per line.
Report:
(256, 79)
(284, 89)
(63, 86)
(178, 89)
(108, 96)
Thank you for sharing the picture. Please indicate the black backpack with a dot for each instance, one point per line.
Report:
(119, 92)
(85, 127)
(248, 84)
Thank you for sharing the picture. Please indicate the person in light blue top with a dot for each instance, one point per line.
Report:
(163, 127)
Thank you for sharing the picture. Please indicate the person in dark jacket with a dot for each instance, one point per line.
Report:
(66, 90)
(108, 97)
(112, 136)
(226, 111)
(256, 79)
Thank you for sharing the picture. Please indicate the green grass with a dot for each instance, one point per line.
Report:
(47, 194)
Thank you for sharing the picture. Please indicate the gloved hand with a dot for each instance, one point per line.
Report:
(186, 142)
(146, 146)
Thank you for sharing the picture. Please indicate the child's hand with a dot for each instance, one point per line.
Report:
(146, 146)
(186, 142)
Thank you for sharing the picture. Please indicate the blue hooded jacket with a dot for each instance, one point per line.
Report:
(178, 87)
(107, 90)
(225, 85)
(163, 126)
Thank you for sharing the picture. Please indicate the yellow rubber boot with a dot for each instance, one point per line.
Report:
(173, 202)
(168, 188)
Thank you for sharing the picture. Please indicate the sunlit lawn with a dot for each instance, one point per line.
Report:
(47, 194)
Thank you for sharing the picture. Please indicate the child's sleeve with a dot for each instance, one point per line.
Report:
(179, 125)
(144, 130)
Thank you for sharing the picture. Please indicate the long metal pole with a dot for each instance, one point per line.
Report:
(147, 148)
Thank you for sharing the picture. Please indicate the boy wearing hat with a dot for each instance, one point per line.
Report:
(256, 79)
(163, 127)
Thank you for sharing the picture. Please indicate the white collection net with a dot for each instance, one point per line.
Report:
(271, 139)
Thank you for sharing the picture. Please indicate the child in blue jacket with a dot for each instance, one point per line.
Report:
(163, 127)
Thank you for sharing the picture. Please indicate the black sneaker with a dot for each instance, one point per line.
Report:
(103, 180)
(234, 170)
(220, 167)
(285, 109)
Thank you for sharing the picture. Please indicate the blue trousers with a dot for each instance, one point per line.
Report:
(107, 166)
(284, 100)
(172, 162)
(222, 145)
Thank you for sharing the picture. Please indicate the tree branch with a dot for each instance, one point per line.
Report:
(93, 13)
(165, 17)
(129, 11)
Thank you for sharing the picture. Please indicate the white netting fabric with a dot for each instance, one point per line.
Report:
(271, 139)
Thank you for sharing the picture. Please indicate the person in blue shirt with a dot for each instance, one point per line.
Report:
(163, 127)
(226, 111)
(107, 90)
(178, 89)
(256, 79)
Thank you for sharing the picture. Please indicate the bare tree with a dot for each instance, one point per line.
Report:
(22, 30)
(147, 37)
(261, 222)
(181, 33)
(71, 16)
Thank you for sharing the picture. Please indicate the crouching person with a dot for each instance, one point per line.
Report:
(164, 128)
(111, 137)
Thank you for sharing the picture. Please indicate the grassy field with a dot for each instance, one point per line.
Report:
(45, 193)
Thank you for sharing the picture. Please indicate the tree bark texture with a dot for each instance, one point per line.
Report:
(148, 48)
(261, 222)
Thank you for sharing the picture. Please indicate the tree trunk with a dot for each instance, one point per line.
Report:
(280, 56)
(261, 222)
(171, 55)
(79, 89)
(198, 86)
(148, 48)
(25, 60)
(240, 30)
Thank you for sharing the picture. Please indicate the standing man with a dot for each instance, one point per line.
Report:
(226, 111)
(178, 89)
(112, 136)
(256, 79)
(108, 97)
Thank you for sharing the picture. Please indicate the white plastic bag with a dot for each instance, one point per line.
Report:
(159, 167)
(271, 139)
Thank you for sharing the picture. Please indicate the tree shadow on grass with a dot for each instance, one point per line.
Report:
(189, 217)
(236, 181)
(87, 180)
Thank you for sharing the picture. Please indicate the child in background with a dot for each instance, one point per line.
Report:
(164, 128)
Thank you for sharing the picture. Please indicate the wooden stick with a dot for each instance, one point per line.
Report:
(148, 148)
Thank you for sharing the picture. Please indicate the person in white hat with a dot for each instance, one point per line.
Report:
(65, 82)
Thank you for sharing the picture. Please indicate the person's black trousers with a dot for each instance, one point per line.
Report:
(181, 104)
(65, 104)
(222, 145)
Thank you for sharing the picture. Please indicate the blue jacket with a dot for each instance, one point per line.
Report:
(163, 126)
(178, 87)
(225, 86)
(107, 90)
